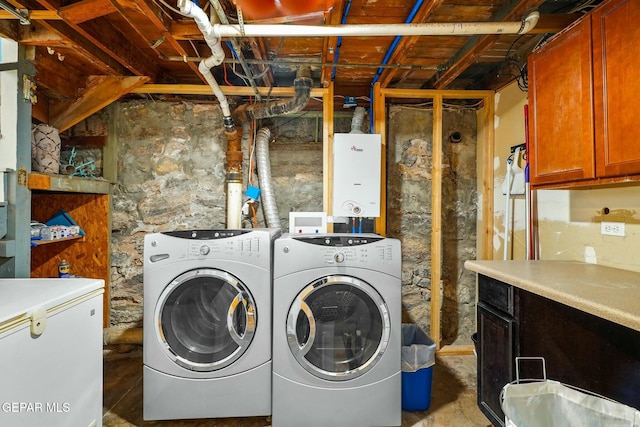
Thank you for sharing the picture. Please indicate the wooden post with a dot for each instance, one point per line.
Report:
(436, 219)
(379, 126)
(488, 134)
(327, 152)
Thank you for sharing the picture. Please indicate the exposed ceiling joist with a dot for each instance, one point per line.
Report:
(99, 92)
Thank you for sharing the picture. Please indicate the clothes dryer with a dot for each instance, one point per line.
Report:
(207, 324)
(336, 331)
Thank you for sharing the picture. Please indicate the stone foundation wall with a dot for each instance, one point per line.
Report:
(409, 162)
(171, 177)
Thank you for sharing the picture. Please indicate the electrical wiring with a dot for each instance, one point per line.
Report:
(446, 106)
(171, 8)
(242, 77)
(224, 71)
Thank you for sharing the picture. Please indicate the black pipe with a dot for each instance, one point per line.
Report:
(261, 110)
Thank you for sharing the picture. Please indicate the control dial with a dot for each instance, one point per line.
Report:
(338, 257)
(204, 250)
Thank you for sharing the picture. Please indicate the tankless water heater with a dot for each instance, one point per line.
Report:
(356, 175)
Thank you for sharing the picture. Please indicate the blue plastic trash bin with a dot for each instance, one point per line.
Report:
(418, 358)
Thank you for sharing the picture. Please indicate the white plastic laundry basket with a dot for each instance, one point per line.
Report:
(548, 403)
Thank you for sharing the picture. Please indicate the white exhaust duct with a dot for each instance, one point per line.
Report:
(357, 120)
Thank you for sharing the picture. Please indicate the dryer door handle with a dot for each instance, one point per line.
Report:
(244, 336)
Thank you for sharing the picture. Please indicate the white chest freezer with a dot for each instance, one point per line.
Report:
(51, 352)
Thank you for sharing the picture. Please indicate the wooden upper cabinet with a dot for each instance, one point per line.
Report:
(583, 85)
(561, 108)
(616, 49)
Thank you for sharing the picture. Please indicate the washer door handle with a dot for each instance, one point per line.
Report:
(240, 303)
(304, 346)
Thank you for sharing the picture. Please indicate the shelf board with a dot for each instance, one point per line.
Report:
(66, 183)
(48, 242)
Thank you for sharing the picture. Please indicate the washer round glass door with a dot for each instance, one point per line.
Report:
(206, 319)
(338, 327)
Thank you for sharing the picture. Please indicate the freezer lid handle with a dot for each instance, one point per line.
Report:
(38, 321)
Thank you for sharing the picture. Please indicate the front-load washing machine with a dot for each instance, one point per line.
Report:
(336, 331)
(207, 324)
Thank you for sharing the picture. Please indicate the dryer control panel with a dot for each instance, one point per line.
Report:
(237, 247)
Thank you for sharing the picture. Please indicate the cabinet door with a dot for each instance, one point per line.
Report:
(495, 360)
(616, 50)
(561, 108)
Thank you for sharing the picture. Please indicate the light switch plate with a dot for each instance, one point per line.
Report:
(612, 228)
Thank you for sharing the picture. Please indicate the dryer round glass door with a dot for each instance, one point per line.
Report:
(338, 327)
(206, 319)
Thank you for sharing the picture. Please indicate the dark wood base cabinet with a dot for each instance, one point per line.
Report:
(579, 349)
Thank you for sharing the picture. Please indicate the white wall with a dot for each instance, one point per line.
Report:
(567, 222)
(8, 110)
(509, 131)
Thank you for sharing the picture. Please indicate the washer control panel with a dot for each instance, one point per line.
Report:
(349, 249)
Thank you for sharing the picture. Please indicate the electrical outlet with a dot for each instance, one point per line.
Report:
(612, 228)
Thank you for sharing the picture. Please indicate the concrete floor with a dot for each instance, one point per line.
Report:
(453, 397)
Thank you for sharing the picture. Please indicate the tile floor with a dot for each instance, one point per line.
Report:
(453, 401)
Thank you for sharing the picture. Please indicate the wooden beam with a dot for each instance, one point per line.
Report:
(34, 15)
(86, 10)
(455, 350)
(57, 75)
(476, 44)
(100, 39)
(98, 58)
(113, 336)
(118, 46)
(136, 11)
(185, 29)
(180, 89)
(40, 110)
(100, 91)
(330, 44)
(407, 43)
(260, 52)
(554, 23)
(86, 141)
(37, 35)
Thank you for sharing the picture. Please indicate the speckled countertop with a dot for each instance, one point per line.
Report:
(610, 293)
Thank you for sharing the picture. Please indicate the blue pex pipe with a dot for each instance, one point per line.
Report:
(392, 48)
(339, 43)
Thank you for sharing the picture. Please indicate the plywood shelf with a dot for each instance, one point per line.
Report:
(66, 183)
(48, 242)
(89, 255)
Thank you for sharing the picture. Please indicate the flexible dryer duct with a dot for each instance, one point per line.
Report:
(264, 174)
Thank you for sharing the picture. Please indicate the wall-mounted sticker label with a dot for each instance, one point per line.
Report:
(22, 177)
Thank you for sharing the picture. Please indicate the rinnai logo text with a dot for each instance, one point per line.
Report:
(27, 407)
(354, 148)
